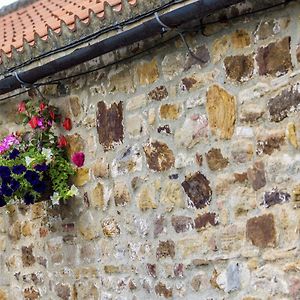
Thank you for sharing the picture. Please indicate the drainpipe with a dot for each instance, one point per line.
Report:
(196, 10)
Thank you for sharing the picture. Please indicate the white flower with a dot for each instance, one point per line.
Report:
(48, 154)
(55, 198)
(73, 191)
(28, 160)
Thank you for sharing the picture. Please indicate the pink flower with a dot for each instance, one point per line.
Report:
(7, 142)
(78, 159)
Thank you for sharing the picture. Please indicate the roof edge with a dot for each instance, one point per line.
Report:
(15, 6)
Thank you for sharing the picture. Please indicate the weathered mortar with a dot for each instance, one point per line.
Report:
(191, 186)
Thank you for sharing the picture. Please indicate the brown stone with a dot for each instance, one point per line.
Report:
(132, 285)
(121, 81)
(165, 249)
(215, 159)
(147, 72)
(171, 195)
(27, 229)
(100, 168)
(151, 268)
(159, 156)
(179, 270)
(169, 111)
(202, 59)
(3, 295)
(291, 134)
(199, 159)
(251, 113)
(146, 198)
(198, 189)
(220, 47)
(240, 177)
(162, 290)
(75, 144)
(121, 194)
(298, 53)
(75, 105)
(275, 59)
(286, 102)
(97, 196)
(15, 231)
(31, 294)
(256, 175)
(110, 228)
(82, 176)
(240, 39)
(239, 68)
(27, 256)
(221, 109)
(269, 144)
(63, 291)
(242, 151)
(196, 283)
(261, 231)
(203, 220)
(159, 93)
(188, 82)
(110, 124)
(159, 225)
(182, 223)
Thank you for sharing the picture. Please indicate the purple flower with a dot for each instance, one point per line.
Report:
(14, 184)
(32, 177)
(19, 169)
(28, 199)
(6, 190)
(4, 171)
(14, 154)
(2, 201)
(40, 187)
(41, 167)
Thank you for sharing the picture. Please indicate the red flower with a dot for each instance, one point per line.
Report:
(52, 114)
(21, 107)
(67, 124)
(34, 122)
(42, 106)
(62, 142)
(78, 159)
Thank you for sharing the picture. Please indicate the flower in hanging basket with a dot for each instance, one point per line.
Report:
(34, 165)
(21, 107)
(62, 141)
(78, 159)
(67, 124)
(34, 121)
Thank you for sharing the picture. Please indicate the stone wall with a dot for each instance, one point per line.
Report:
(191, 188)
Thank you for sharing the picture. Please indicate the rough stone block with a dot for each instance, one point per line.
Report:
(275, 59)
(221, 110)
(239, 68)
(261, 231)
(110, 124)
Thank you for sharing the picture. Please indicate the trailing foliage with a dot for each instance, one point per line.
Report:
(34, 165)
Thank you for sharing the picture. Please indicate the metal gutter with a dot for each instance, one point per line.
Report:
(195, 10)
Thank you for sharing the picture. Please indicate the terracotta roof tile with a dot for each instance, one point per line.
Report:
(35, 18)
